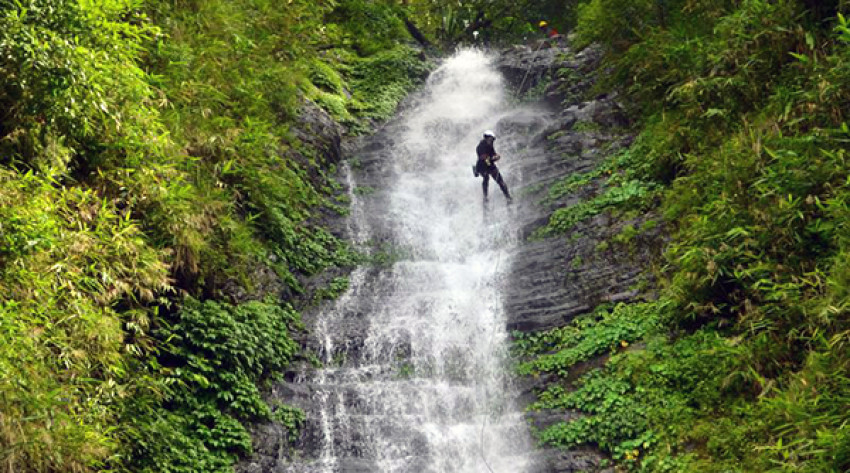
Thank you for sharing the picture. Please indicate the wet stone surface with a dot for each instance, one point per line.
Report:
(555, 279)
(549, 282)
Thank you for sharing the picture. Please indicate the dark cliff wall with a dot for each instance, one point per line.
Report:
(554, 279)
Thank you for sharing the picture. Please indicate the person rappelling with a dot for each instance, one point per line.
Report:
(486, 165)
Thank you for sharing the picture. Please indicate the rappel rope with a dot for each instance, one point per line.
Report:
(533, 57)
(487, 415)
(496, 272)
(481, 446)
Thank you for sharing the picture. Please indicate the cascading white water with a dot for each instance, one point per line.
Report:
(428, 389)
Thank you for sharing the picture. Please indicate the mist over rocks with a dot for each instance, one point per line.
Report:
(348, 403)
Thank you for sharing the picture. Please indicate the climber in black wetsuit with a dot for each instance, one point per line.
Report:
(486, 165)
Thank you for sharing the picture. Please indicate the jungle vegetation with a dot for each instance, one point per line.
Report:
(150, 178)
(151, 175)
(742, 360)
(161, 210)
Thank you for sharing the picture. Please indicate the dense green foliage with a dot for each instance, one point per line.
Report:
(741, 363)
(214, 356)
(489, 21)
(149, 160)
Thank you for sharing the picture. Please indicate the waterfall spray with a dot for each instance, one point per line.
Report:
(423, 385)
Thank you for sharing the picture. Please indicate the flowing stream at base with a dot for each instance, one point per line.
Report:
(416, 375)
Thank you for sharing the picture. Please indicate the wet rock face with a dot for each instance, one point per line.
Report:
(604, 112)
(570, 74)
(318, 131)
(526, 66)
(273, 451)
(551, 281)
(555, 279)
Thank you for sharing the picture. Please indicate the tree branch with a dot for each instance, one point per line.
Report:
(414, 31)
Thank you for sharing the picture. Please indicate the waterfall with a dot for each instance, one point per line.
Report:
(415, 373)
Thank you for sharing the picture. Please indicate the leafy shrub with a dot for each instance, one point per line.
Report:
(369, 26)
(335, 105)
(742, 137)
(326, 77)
(631, 194)
(68, 258)
(588, 336)
(379, 82)
(64, 93)
(644, 397)
(145, 154)
(214, 357)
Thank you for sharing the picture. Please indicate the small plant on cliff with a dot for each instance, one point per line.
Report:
(630, 195)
